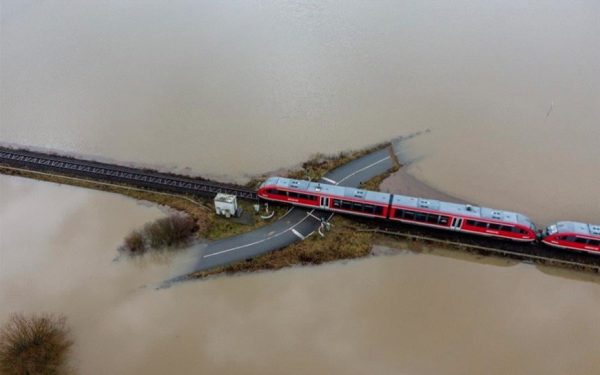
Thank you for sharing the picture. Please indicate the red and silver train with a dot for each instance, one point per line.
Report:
(428, 212)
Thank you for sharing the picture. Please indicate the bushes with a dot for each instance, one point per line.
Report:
(34, 345)
(169, 232)
(134, 242)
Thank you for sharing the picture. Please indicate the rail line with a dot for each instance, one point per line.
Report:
(170, 183)
(484, 249)
(535, 252)
(37, 161)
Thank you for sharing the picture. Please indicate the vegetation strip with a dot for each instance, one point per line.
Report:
(108, 184)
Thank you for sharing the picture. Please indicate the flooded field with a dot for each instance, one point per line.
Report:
(510, 92)
(408, 313)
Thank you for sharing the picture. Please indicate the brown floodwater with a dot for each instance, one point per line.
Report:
(400, 314)
(510, 91)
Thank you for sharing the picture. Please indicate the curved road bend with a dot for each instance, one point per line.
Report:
(296, 224)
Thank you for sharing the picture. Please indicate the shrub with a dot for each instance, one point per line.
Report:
(134, 242)
(38, 344)
(168, 232)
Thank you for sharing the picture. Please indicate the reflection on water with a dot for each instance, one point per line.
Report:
(408, 313)
(509, 89)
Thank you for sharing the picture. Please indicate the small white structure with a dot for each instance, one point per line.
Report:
(226, 205)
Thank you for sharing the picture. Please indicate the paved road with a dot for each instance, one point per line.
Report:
(297, 224)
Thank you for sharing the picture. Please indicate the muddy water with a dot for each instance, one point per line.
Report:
(510, 90)
(412, 314)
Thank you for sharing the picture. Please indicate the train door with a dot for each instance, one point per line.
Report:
(325, 202)
(456, 223)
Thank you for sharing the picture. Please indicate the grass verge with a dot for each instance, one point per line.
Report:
(342, 242)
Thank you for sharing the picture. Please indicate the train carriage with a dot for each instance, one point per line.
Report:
(326, 197)
(463, 217)
(451, 216)
(574, 236)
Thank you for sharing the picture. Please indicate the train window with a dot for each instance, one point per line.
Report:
(494, 226)
(432, 219)
(581, 240)
(420, 216)
(570, 238)
(481, 224)
(471, 222)
(410, 215)
(594, 242)
(378, 210)
(292, 194)
(346, 205)
(398, 213)
(505, 228)
(357, 207)
(337, 203)
(368, 208)
(444, 220)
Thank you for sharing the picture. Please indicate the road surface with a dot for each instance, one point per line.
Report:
(297, 224)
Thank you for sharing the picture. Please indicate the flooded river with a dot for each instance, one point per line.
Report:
(510, 91)
(402, 314)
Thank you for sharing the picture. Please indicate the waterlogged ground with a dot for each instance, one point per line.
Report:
(406, 313)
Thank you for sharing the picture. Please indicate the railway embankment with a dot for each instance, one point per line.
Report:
(209, 226)
(348, 238)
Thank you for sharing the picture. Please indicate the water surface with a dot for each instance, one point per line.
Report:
(406, 314)
(511, 90)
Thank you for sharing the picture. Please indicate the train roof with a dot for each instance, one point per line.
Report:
(462, 209)
(342, 191)
(577, 227)
(403, 200)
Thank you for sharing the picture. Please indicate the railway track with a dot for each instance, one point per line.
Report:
(115, 173)
(156, 181)
(534, 253)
